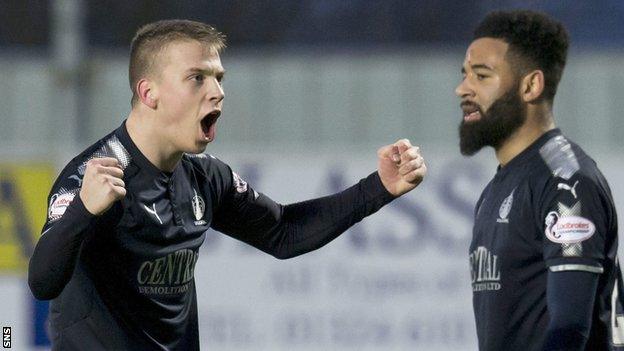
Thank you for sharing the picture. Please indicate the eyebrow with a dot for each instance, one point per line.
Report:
(477, 66)
(208, 72)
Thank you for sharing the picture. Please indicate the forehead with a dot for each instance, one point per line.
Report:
(182, 55)
(487, 51)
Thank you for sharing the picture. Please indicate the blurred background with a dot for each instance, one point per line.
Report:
(313, 88)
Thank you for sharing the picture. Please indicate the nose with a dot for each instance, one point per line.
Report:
(215, 92)
(463, 89)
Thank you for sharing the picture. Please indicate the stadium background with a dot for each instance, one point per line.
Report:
(313, 88)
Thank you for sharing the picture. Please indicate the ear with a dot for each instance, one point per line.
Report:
(147, 93)
(532, 86)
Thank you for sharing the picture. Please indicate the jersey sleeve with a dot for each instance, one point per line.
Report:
(570, 297)
(292, 230)
(575, 220)
(55, 254)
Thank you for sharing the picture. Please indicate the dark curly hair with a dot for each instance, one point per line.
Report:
(535, 40)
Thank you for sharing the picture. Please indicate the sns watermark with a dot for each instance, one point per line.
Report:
(6, 337)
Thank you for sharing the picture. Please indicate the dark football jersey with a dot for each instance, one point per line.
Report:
(549, 208)
(124, 280)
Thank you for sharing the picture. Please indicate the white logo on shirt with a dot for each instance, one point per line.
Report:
(59, 203)
(76, 178)
(153, 211)
(484, 270)
(198, 208)
(564, 186)
(504, 209)
(80, 173)
(568, 229)
(239, 183)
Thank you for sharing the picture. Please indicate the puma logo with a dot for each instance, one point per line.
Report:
(73, 176)
(153, 211)
(564, 186)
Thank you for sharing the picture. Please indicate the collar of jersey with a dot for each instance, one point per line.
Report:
(138, 158)
(527, 153)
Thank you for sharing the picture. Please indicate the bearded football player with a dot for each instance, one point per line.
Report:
(543, 254)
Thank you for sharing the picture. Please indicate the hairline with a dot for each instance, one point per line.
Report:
(158, 59)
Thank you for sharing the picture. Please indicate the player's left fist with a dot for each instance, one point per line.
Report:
(401, 167)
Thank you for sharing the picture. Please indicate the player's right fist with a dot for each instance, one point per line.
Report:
(102, 185)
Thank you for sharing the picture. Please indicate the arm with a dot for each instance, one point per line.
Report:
(54, 257)
(70, 216)
(570, 299)
(577, 223)
(292, 230)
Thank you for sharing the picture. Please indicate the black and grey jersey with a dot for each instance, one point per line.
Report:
(124, 280)
(549, 208)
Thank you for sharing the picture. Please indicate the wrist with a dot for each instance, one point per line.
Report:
(82, 207)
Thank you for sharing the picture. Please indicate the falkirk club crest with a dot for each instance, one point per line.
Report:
(503, 211)
(198, 208)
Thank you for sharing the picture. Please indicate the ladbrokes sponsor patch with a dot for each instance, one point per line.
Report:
(568, 229)
(58, 205)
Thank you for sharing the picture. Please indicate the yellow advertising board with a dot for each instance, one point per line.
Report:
(24, 190)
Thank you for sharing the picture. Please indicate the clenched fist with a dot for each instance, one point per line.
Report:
(102, 185)
(400, 167)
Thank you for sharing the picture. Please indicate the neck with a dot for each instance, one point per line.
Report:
(539, 121)
(145, 134)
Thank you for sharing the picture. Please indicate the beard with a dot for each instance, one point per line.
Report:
(502, 119)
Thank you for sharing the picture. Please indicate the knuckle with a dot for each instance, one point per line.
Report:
(110, 181)
(121, 192)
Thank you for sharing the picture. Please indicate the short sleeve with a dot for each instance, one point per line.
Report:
(574, 222)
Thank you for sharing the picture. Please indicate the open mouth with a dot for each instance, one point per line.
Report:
(208, 124)
(471, 111)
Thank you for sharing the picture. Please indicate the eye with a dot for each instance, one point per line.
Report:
(480, 76)
(199, 78)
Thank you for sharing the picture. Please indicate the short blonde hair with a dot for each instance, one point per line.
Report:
(152, 38)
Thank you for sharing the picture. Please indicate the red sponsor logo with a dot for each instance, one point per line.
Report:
(572, 225)
(59, 204)
(568, 229)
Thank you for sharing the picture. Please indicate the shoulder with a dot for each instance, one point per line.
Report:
(565, 159)
(69, 181)
(210, 168)
(74, 170)
(216, 174)
(567, 171)
(560, 157)
(557, 159)
(207, 164)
